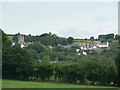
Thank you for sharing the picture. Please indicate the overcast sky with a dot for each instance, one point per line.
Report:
(78, 19)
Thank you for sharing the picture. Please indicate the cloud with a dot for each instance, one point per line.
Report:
(86, 30)
(75, 32)
(101, 19)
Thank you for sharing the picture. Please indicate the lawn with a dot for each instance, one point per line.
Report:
(10, 38)
(83, 41)
(78, 42)
(30, 84)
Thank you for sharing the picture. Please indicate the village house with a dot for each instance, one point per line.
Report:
(83, 47)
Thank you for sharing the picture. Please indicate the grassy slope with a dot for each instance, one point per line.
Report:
(10, 38)
(83, 41)
(28, 84)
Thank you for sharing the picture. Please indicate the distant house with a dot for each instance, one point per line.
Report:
(103, 45)
(92, 46)
(54, 61)
(69, 46)
(50, 47)
(79, 54)
(84, 53)
(13, 43)
(77, 50)
(22, 45)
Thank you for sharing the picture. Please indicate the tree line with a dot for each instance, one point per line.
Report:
(46, 39)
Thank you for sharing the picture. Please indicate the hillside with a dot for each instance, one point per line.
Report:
(86, 63)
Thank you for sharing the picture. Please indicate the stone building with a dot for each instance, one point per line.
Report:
(21, 39)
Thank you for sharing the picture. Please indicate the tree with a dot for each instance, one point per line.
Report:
(37, 46)
(35, 56)
(117, 37)
(70, 40)
(112, 52)
(92, 69)
(106, 37)
(46, 59)
(43, 71)
(73, 73)
(85, 39)
(117, 59)
(5, 40)
(15, 61)
(110, 36)
(91, 38)
(59, 73)
(58, 49)
(108, 74)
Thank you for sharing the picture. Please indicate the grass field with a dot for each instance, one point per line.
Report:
(10, 38)
(30, 84)
(83, 41)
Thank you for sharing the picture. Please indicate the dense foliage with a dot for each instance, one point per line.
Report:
(36, 62)
(45, 39)
(108, 37)
(16, 62)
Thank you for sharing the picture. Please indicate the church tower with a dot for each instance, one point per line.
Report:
(21, 39)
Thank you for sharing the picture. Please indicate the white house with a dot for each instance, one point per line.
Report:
(79, 54)
(103, 45)
(77, 50)
(22, 45)
(13, 44)
(94, 47)
(84, 53)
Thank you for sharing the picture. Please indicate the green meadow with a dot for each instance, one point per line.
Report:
(30, 84)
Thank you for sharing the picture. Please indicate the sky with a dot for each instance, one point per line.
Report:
(75, 19)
